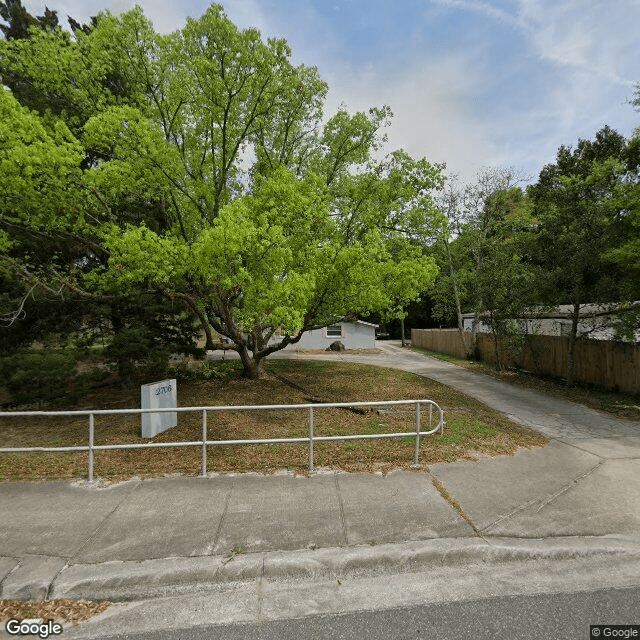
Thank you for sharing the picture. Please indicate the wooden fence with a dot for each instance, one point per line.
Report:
(612, 365)
(446, 341)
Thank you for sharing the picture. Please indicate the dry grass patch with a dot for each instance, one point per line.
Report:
(471, 430)
(64, 611)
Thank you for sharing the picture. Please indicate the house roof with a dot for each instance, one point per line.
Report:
(565, 310)
(367, 324)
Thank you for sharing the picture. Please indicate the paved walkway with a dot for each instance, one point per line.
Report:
(579, 495)
(555, 417)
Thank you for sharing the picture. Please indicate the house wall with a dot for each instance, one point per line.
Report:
(354, 336)
(596, 328)
(362, 336)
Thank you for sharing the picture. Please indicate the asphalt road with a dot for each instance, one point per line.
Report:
(562, 616)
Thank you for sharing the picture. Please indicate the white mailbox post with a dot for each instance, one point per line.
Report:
(158, 395)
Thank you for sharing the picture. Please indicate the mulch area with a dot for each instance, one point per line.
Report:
(63, 611)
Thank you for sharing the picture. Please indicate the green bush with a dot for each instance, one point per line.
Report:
(209, 371)
(40, 376)
(134, 352)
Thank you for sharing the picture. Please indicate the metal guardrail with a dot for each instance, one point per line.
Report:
(204, 443)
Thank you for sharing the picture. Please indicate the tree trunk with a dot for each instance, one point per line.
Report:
(474, 334)
(571, 352)
(250, 363)
(402, 331)
(122, 362)
(208, 335)
(468, 351)
(191, 305)
(476, 315)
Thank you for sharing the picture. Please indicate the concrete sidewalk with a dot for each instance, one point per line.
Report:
(141, 538)
(578, 496)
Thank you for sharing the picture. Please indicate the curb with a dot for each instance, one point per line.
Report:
(121, 581)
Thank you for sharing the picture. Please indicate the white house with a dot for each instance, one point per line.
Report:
(596, 321)
(353, 335)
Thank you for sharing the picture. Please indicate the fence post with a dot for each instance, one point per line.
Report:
(416, 464)
(310, 439)
(204, 443)
(91, 429)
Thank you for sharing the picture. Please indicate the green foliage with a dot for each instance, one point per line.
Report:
(195, 166)
(134, 353)
(584, 205)
(144, 332)
(506, 283)
(577, 207)
(481, 249)
(624, 255)
(37, 376)
(38, 161)
(17, 18)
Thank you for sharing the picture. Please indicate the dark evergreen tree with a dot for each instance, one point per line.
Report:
(58, 312)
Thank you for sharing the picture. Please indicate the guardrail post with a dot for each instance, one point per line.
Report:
(92, 448)
(310, 439)
(204, 443)
(416, 464)
(91, 433)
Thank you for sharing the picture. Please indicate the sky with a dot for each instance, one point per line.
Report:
(472, 83)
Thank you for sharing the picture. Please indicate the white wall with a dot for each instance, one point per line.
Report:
(589, 327)
(355, 335)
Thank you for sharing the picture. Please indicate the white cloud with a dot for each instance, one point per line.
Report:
(435, 113)
(578, 64)
(248, 13)
(590, 36)
(482, 8)
(307, 32)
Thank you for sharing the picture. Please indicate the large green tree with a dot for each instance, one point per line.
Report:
(196, 166)
(505, 282)
(478, 246)
(54, 73)
(580, 204)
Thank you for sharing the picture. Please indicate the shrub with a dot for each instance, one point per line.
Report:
(133, 352)
(40, 376)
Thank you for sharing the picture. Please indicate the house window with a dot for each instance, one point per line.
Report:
(334, 331)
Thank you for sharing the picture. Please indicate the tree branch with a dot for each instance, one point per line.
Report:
(9, 319)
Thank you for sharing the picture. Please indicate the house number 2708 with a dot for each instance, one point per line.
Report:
(161, 390)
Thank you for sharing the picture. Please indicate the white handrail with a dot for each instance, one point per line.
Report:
(205, 442)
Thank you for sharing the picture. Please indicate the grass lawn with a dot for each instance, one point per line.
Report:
(472, 430)
(621, 405)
